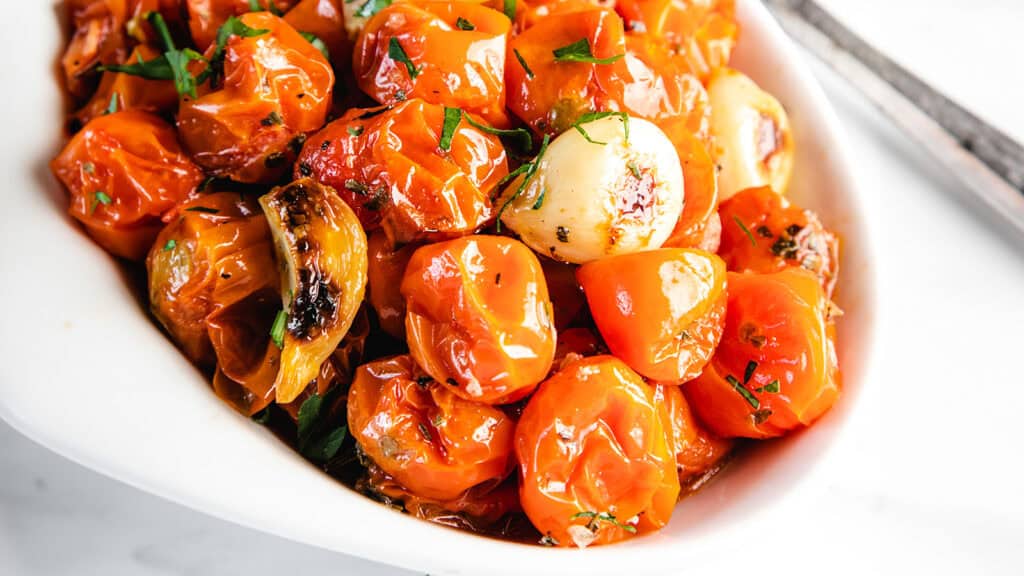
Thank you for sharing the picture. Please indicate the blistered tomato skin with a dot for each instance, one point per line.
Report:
(660, 311)
(441, 62)
(479, 318)
(98, 38)
(698, 451)
(763, 232)
(595, 461)
(125, 171)
(775, 369)
(389, 167)
(434, 443)
(276, 88)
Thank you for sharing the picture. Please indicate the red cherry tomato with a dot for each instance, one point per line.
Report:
(595, 461)
(479, 319)
(775, 369)
(764, 232)
(418, 49)
(661, 311)
(434, 443)
(125, 171)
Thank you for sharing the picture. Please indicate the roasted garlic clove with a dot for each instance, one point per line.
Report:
(753, 139)
(321, 249)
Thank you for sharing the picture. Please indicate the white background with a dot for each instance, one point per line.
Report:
(927, 476)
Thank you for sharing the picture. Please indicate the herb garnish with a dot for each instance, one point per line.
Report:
(596, 518)
(371, 7)
(277, 329)
(170, 245)
(509, 8)
(317, 439)
(425, 432)
(112, 107)
(522, 62)
(232, 27)
(540, 199)
(99, 197)
(518, 139)
(463, 24)
(317, 43)
(89, 167)
(262, 417)
(452, 117)
(528, 170)
(594, 116)
(254, 6)
(397, 53)
(352, 131)
(357, 187)
(771, 388)
(750, 398)
(580, 51)
(634, 169)
(746, 230)
(272, 119)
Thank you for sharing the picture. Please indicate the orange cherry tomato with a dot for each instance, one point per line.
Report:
(98, 38)
(434, 443)
(388, 165)
(276, 87)
(417, 50)
(323, 19)
(122, 91)
(479, 319)
(529, 12)
(698, 451)
(384, 281)
(205, 17)
(775, 369)
(595, 461)
(213, 285)
(661, 89)
(764, 232)
(699, 225)
(661, 311)
(125, 171)
(703, 32)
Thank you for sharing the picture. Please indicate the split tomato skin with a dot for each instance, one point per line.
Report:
(276, 88)
(479, 318)
(434, 443)
(416, 49)
(593, 440)
(776, 368)
(126, 174)
(661, 311)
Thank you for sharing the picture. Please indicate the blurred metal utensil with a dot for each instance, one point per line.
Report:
(987, 161)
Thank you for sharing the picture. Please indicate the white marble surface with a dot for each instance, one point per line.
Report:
(926, 477)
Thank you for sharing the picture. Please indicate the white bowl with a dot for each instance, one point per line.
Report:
(86, 373)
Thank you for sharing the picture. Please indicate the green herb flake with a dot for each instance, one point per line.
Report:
(102, 198)
(509, 8)
(748, 372)
(634, 169)
(772, 387)
(746, 230)
(528, 171)
(761, 416)
(170, 245)
(595, 518)
(352, 131)
(519, 139)
(540, 199)
(231, 27)
(371, 7)
(747, 395)
(356, 187)
(522, 62)
(88, 167)
(397, 53)
(317, 439)
(317, 43)
(272, 119)
(580, 51)
(277, 329)
(262, 417)
(594, 116)
(452, 117)
(463, 24)
(112, 107)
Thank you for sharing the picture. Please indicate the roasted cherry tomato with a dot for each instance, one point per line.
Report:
(125, 171)
(389, 164)
(213, 285)
(418, 49)
(205, 17)
(120, 91)
(698, 451)
(276, 87)
(479, 318)
(384, 282)
(661, 311)
(529, 12)
(433, 442)
(595, 461)
(775, 369)
(324, 20)
(764, 232)
(704, 32)
(661, 89)
(699, 225)
(98, 38)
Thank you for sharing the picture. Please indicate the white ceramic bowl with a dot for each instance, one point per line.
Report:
(86, 373)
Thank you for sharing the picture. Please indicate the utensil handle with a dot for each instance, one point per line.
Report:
(988, 161)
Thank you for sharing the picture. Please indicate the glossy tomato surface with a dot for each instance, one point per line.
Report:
(698, 451)
(595, 460)
(479, 318)
(384, 282)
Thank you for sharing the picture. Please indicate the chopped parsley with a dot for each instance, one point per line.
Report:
(747, 395)
(540, 198)
(371, 7)
(88, 167)
(262, 417)
(519, 139)
(593, 116)
(232, 27)
(318, 438)
(170, 245)
(596, 517)
(112, 107)
(352, 131)
(771, 387)
(317, 43)
(746, 230)
(272, 119)
(528, 170)
(254, 6)
(356, 187)
(580, 51)
(463, 24)
(522, 62)
(99, 197)
(452, 117)
(277, 329)
(634, 169)
(397, 53)
(509, 8)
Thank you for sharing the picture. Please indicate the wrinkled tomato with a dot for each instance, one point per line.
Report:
(120, 91)
(595, 461)
(419, 50)
(125, 171)
(384, 281)
(775, 369)
(434, 443)
(698, 451)
(324, 20)
(205, 17)
(660, 311)
(276, 87)
(699, 225)
(764, 232)
(98, 38)
(388, 165)
(529, 12)
(479, 319)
